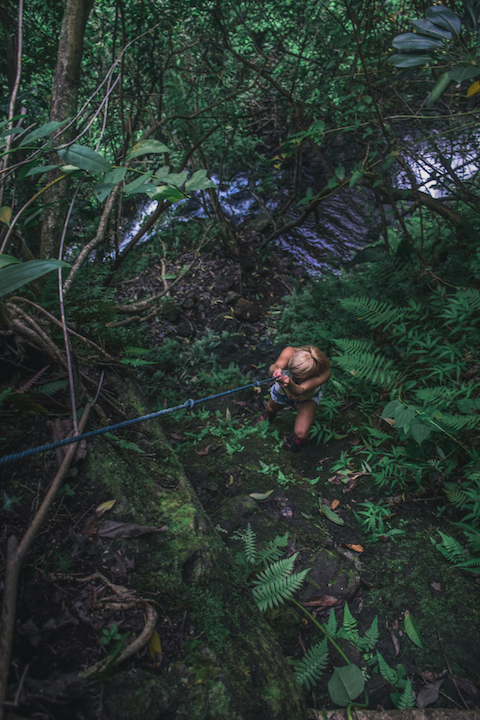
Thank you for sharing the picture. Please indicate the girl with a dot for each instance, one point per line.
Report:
(299, 373)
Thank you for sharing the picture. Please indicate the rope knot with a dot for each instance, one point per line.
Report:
(190, 403)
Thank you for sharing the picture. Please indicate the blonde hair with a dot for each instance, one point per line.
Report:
(307, 362)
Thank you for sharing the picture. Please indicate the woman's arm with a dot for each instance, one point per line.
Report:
(281, 363)
(311, 384)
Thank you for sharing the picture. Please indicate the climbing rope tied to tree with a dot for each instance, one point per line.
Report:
(188, 404)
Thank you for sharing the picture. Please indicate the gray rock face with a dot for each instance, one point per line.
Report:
(331, 574)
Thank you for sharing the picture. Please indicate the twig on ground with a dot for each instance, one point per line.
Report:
(450, 670)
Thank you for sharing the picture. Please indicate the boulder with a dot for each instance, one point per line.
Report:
(247, 310)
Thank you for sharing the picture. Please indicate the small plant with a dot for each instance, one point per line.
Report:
(64, 562)
(66, 490)
(372, 520)
(9, 502)
(111, 634)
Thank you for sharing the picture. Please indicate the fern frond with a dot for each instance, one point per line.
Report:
(332, 624)
(250, 545)
(349, 630)
(355, 346)
(274, 549)
(407, 698)
(32, 380)
(458, 422)
(311, 667)
(52, 387)
(370, 638)
(276, 583)
(456, 496)
(375, 313)
(472, 565)
(385, 670)
(129, 350)
(432, 394)
(369, 366)
(451, 548)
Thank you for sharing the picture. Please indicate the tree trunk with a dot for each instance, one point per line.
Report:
(66, 83)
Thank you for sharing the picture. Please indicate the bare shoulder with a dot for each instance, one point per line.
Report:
(287, 353)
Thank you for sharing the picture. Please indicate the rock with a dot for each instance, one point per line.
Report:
(184, 329)
(189, 303)
(223, 323)
(224, 282)
(232, 297)
(247, 310)
(331, 574)
(170, 311)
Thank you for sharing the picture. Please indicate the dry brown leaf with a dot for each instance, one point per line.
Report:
(205, 451)
(436, 586)
(335, 504)
(104, 507)
(356, 548)
(396, 643)
(114, 529)
(466, 686)
(321, 601)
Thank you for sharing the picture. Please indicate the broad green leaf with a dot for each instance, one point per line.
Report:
(389, 409)
(177, 179)
(199, 181)
(42, 131)
(459, 74)
(40, 169)
(7, 260)
(162, 172)
(5, 214)
(332, 515)
(166, 193)
(412, 41)
(13, 277)
(84, 158)
(346, 684)
(147, 146)
(403, 415)
(426, 27)
(439, 88)
(355, 177)
(420, 432)
(261, 496)
(115, 175)
(102, 190)
(136, 185)
(444, 18)
(340, 172)
(412, 630)
(406, 61)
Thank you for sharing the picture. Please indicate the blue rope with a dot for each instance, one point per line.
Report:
(188, 404)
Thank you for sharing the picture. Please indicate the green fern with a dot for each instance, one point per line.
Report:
(274, 549)
(277, 583)
(332, 624)
(369, 366)
(52, 387)
(456, 423)
(407, 698)
(394, 677)
(375, 313)
(124, 444)
(450, 548)
(370, 638)
(349, 630)
(472, 565)
(456, 496)
(250, 545)
(311, 667)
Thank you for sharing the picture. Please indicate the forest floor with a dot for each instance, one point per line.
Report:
(229, 459)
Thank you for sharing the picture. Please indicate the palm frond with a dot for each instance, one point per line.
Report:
(311, 667)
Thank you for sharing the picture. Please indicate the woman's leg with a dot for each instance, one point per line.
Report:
(272, 409)
(305, 416)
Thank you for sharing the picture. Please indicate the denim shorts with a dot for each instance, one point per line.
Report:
(278, 396)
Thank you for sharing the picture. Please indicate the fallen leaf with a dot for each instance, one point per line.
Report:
(240, 403)
(351, 484)
(176, 436)
(466, 686)
(428, 694)
(436, 586)
(357, 548)
(335, 504)
(390, 421)
(333, 517)
(113, 529)
(155, 648)
(104, 507)
(205, 451)
(412, 630)
(261, 496)
(396, 643)
(321, 601)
